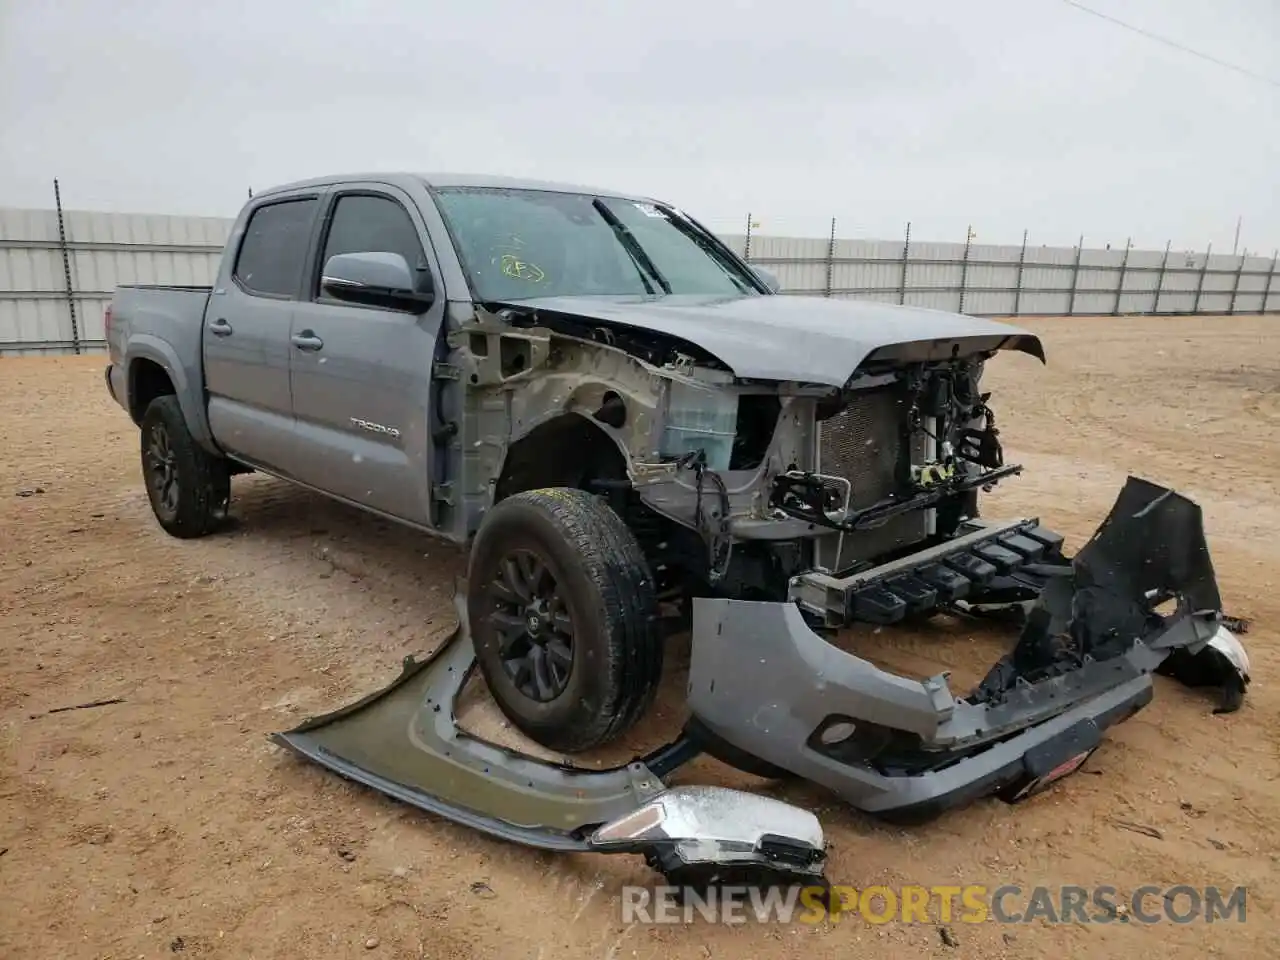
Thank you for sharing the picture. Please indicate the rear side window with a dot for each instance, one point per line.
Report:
(369, 224)
(274, 247)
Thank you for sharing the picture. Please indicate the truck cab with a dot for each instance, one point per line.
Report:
(326, 380)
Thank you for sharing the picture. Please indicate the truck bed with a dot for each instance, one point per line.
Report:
(164, 325)
(165, 286)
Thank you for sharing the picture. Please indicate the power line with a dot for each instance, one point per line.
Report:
(1174, 44)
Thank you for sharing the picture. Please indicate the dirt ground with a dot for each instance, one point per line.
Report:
(167, 825)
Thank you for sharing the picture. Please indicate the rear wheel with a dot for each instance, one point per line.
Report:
(188, 487)
(563, 612)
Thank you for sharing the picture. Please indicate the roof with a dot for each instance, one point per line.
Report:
(452, 180)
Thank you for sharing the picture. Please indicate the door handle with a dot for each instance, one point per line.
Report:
(220, 328)
(307, 340)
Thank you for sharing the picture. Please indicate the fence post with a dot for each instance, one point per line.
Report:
(1017, 292)
(1155, 303)
(66, 266)
(746, 246)
(906, 251)
(1204, 268)
(1124, 263)
(1235, 287)
(964, 264)
(831, 254)
(1075, 278)
(1266, 290)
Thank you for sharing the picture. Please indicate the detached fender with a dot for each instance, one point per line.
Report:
(405, 741)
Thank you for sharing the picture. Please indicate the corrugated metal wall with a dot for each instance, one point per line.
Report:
(39, 314)
(1020, 280)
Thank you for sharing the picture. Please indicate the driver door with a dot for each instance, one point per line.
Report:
(361, 375)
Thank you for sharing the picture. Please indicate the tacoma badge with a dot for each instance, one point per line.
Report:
(375, 427)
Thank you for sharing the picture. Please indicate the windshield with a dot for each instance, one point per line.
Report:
(520, 244)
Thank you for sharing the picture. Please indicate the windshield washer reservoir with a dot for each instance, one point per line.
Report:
(700, 419)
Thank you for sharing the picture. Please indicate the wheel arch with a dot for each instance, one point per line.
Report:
(148, 379)
(148, 357)
(566, 449)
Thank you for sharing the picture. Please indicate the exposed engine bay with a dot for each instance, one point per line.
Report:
(732, 485)
(890, 456)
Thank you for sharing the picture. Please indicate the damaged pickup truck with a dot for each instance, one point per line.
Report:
(620, 417)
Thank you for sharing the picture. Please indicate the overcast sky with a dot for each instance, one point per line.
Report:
(1001, 113)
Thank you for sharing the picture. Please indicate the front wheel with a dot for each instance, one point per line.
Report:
(563, 613)
(188, 487)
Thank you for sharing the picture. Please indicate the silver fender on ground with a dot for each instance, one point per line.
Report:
(404, 741)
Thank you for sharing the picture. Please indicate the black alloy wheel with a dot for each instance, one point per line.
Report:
(189, 488)
(162, 471)
(532, 619)
(563, 615)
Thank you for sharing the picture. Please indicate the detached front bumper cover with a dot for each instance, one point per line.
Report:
(764, 683)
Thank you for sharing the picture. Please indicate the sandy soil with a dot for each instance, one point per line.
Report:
(168, 825)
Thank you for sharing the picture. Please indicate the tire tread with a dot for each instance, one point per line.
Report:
(620, 575)
(206, 479)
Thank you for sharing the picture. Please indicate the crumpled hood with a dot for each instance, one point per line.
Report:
(796, 338)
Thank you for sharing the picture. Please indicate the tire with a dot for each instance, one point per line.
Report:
(188, 487)
(557, 570)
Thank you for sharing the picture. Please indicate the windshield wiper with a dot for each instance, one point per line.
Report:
(698, 235)
(632, 246)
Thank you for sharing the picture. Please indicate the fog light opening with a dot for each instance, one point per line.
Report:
(837, 733)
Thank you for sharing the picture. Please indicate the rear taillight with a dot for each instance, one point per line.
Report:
(106, 322)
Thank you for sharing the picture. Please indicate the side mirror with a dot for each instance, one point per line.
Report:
(769, 279)
(377, 280)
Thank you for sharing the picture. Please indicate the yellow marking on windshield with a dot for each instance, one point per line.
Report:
(513, 266)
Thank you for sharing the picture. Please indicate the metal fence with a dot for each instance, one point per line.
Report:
(58, 269)
(1018, 280)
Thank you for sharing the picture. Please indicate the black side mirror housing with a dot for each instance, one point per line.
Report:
(377, 279)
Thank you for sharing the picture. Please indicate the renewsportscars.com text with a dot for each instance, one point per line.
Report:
(973, 903)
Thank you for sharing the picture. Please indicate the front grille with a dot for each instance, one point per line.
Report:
(865, 444)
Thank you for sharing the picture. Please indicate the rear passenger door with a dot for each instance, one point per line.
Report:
(361, 375)
(246, 332)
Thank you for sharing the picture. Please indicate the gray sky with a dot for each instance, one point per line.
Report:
(1001, 113)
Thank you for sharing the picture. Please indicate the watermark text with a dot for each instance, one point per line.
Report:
(972, 903)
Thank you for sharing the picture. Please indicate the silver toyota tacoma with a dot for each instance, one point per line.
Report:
(622, 420)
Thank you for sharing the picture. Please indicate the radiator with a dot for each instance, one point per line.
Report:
(864, 443)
